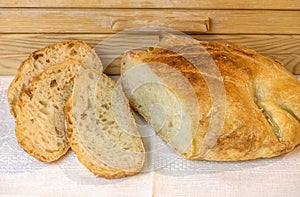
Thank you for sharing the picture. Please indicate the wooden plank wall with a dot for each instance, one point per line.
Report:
(271, 27)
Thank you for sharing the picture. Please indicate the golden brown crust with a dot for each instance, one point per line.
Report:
(250, 80)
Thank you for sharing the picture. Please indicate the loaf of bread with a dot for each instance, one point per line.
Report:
(101, 129)
(40, 118)
(43, 58)
(214, 101)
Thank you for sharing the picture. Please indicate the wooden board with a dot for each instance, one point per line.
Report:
(194, 4)
(36, 20)
(270, 27)
(15, 48)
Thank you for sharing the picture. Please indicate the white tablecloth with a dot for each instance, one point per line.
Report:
(22, 175)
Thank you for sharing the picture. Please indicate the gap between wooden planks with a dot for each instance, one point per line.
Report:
(36, 20)
(14, 48)
(190, 4)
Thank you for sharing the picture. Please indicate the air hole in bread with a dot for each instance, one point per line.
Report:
(83, 116)
(50, 151)
(37, 55)
(73, 52)
(71, 45)
(44, 111)
(28, 93)
(53, 83)
(43, 103)
(106, 106)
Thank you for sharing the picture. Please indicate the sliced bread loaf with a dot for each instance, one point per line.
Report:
(40, 118)
(101, 129)
(260, 105)
(43, 58)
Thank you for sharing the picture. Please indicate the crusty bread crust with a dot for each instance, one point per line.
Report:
(262, 106)
(45, 57)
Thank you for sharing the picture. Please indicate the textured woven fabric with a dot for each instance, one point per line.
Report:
(164, 174)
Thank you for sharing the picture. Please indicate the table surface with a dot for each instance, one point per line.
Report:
(165, 174)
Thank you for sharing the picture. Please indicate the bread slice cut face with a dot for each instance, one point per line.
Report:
(45, 57)
(172, 87)
(101, 129)
(40, 118)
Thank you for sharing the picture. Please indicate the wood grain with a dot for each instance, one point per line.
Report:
(194, 4)
(15, 48)
(99, 20)
(291, 62)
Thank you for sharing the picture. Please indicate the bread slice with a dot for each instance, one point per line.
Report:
(40, 118)
(101, 129)
(43, 58)
(174, 88)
